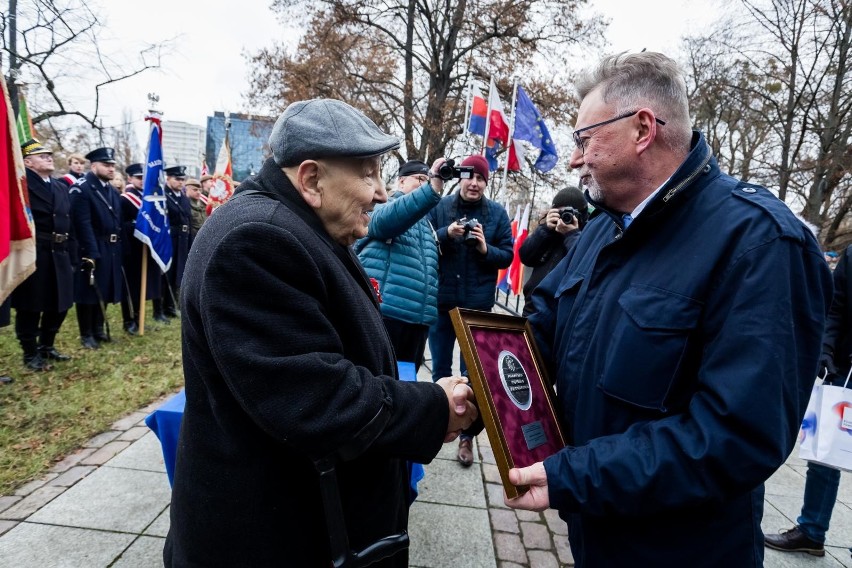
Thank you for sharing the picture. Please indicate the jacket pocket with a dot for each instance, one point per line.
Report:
(648, 345)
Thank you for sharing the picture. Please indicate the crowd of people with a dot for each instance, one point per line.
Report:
(87, 255)
(682, 323)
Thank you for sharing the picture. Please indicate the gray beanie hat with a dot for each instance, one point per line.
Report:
(326, 128)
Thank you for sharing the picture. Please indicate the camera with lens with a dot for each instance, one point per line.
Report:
(448, 171)
(567, 214)
(469, 225)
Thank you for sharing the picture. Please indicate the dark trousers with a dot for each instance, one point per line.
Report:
(408, 340)
(170, 303)
(37, 328)
(129, 310)
(442, 340)
(90, 320)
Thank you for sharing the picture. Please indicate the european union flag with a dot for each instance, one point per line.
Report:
(152, 221)
(530, 126)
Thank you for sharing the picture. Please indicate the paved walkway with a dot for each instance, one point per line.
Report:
(108, 505)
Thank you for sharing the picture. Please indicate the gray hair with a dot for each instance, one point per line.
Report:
(634, 80)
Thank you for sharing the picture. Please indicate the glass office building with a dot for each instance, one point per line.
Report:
(248, 139)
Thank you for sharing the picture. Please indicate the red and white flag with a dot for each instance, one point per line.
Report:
(498, 124)
(223, 188)
(17, 230)
(516, 269)
(204, 170)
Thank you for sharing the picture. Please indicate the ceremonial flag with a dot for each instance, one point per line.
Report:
(152, 221)
(26, 131)
(478, 111)
(502, 274)
(530, 126)
(223, 188)
(498, 125)
(516, 269)
(204, 170)
(17, 230)
(516, 155)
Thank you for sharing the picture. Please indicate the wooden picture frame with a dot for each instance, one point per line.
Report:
(513, 392)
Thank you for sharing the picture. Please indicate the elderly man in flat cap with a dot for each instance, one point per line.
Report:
(42, 300)
(96, 211)
(289, 369)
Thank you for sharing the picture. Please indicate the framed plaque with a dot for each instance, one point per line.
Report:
(513, 393)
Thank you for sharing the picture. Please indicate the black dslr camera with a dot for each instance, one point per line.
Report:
(567, 214)
(448, 171)
(469, 225)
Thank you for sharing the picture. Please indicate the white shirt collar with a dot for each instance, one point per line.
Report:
(647, 200)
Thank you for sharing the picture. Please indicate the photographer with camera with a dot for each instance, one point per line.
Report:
(475, 239)
(556, 233)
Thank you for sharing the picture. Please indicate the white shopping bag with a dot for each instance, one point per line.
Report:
(826, 433)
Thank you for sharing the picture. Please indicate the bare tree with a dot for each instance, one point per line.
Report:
(774, 93)
(57, 49)
(407, 63)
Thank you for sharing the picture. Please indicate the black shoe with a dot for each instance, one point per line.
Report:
(161, 318)
(794, 540)
(102, 337)
(131, 328)
(36, 363)
(6, 380)
(89, 342)
(48, 352)
(171, 313)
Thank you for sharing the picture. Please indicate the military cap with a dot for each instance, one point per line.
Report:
(413, 168)
(205, 177)
(105, 155)
(32, 147)
(176, 171)
(326, 128)
(193, 182)
(134, 170)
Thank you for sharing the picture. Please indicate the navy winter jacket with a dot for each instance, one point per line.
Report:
(467, 278)
(684, 349)
(401, 253)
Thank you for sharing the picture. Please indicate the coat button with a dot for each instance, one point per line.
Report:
(749, 190)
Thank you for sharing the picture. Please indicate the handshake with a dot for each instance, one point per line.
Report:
(463, 411)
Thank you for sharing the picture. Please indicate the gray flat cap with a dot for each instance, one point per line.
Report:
(326, 128)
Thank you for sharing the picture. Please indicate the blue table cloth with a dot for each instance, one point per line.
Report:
(165, 423)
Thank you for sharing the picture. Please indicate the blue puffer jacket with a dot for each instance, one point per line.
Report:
(400, 252)
(467, 278)
(684, 349)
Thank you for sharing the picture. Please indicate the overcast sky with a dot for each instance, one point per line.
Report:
(207, 72)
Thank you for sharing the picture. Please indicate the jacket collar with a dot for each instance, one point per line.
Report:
(272, 182)
(680, 184)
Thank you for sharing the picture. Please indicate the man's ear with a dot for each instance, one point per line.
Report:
(646, 132)
(306, 181)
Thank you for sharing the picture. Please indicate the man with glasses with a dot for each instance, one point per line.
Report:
(683, 332)
(42, 300)
(400, 254)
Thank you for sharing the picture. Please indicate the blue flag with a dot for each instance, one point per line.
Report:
(530, 126)
(152, 221)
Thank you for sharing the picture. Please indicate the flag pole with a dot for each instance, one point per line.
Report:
(510, 143)
(467, 109)
(143, 284)
(487, 117)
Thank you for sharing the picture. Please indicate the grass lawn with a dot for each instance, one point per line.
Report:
(44, 416)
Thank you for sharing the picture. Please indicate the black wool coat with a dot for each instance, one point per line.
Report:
(51, 287)
(180, 222)
(286, 359)
(96, 212)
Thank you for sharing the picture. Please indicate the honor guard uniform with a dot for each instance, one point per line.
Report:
(96, 210)
(133, 249)
(42, 300)
(180, 220)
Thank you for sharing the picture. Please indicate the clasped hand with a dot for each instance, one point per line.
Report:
(463, 411)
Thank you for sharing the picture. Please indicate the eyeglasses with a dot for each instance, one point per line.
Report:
(581, 142)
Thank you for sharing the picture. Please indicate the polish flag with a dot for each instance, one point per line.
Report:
(502, 274)
(516, 269)
(498, 125)
(516, 156)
